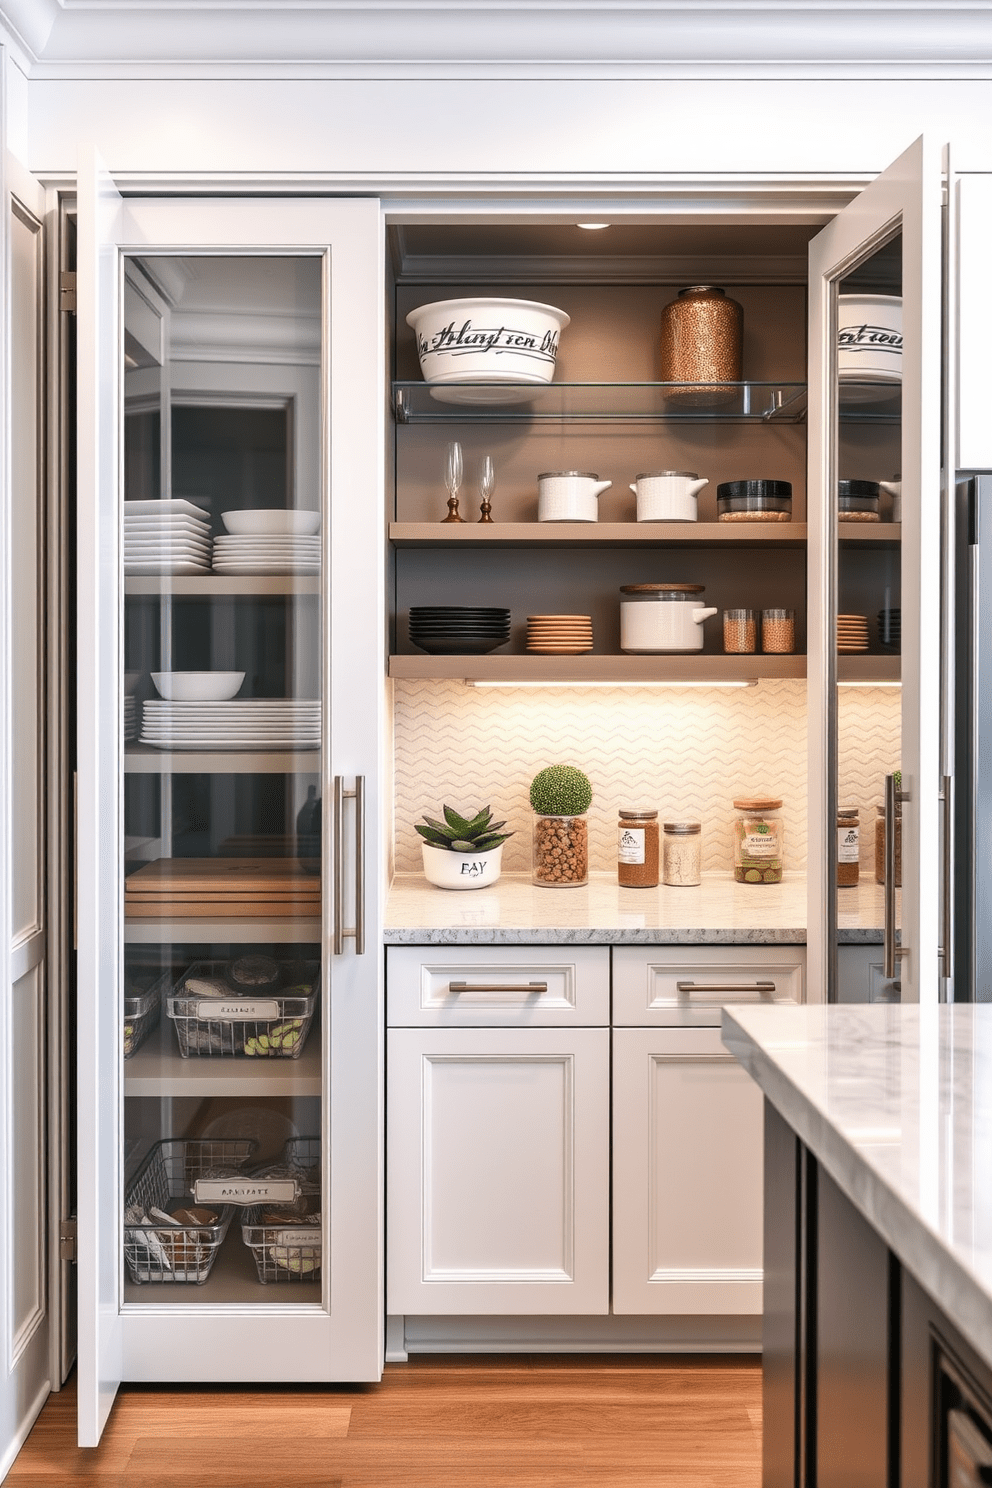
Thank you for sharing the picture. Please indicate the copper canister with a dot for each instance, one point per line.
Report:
(701, 334)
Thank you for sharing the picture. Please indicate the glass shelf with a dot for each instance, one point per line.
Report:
(633, 402)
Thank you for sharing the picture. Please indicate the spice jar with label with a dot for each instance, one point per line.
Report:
(682, 854)
(637, 848)
(848, 846)
(758, 840)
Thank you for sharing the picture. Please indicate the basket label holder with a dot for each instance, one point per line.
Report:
(245, 1191)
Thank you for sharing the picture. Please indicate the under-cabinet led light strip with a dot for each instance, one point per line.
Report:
(480, 682)
(869, 684)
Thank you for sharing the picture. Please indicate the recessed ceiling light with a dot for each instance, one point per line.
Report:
(593, 226)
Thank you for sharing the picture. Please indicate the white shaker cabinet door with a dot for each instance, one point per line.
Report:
(687, 1175)
(498, 1171)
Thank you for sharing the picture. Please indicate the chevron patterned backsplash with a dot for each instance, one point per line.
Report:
(688, 751)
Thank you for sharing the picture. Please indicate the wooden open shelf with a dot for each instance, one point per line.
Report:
(597, 534)
(672, 671)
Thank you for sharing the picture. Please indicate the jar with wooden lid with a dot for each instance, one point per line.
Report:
(682, 854)
(848, 847)
(758, 840)
(637, 848)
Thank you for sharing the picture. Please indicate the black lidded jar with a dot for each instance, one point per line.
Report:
(754, 501)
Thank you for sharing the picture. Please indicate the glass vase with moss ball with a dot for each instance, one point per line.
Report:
(561, 795)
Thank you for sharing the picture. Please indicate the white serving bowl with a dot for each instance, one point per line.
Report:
(486, 339)
(197, 687)
(269, 522)
(457, 870)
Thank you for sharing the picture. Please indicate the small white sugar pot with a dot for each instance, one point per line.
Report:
(667, 495)
(662, 617)
(569, 496)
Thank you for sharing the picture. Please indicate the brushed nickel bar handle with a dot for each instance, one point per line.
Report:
(497, 986)
(725, 986)
(338, 865)
(359, 931)
(891, 952)
(947, 948)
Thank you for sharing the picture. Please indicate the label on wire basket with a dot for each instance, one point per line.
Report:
(297, 1239)
(213, 1010)
(245, 1190)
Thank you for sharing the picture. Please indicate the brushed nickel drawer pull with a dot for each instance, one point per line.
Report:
(725, 986)
(497, 986)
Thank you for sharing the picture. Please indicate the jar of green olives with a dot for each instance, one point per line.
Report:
(758, 840)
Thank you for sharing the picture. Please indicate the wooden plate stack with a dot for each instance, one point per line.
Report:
(559, 635)
(852, 633)
(221, 888)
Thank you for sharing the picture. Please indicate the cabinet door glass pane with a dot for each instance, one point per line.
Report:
(221, 543)
(867, 604)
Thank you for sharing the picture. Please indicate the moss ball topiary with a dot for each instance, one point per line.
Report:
(560, 790)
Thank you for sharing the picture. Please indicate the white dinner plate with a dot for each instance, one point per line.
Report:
(165, 566)
(266, 568)
(165, 508)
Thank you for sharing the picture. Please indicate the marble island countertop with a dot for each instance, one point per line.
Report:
(720, 911)
(896, 1104)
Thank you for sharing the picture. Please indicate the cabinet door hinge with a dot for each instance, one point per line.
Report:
(67, 1239)
(67, 292)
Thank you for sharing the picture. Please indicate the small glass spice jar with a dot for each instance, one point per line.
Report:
(682, 855)
(637, 848)
(778, 631)
(880, 846)
(740, 632)
(758, 840)
(848, 846)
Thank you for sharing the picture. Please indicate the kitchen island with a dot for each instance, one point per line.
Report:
(878, 1241)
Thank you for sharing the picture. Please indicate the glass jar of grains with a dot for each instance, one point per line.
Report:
(637, 848)
(778, 631)
(758, 840)
(682, 854)
(848, 846)
(740, 632)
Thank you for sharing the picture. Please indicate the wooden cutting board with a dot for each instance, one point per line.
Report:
(229, 877)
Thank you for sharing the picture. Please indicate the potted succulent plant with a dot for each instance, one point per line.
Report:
(561, 795)
(462, 852)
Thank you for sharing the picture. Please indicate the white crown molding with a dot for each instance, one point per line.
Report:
(514, 38)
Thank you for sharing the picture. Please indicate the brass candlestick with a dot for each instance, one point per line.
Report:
(487, 485)
(452, 480)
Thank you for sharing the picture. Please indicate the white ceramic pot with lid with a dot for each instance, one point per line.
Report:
(667, 495)
(569, 496)
(662, 617)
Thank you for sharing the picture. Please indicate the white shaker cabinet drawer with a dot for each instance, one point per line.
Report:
(687, 985)
(497, 986)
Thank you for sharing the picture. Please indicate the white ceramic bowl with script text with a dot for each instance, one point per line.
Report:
(486, 340)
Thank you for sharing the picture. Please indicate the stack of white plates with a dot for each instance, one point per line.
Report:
(130, 719)
(243, 723)
(266, 553)
(166, 537)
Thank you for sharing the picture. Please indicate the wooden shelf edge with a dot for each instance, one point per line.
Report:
(598, 534)
(672, 670)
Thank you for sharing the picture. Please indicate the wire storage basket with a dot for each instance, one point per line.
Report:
(260, 1025)
(142, 1009)
(166, 1181)
(288, 1246)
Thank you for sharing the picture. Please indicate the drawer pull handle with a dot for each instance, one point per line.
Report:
(497, 986)
(725, 986)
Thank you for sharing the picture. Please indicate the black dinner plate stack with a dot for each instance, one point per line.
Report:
(890, 629)
(459, 630)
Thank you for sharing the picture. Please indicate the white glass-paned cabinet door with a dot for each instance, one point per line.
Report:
(230, 703)
(875, 416)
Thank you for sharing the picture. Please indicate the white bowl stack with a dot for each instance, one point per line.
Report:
(268, 542)
(170, 536)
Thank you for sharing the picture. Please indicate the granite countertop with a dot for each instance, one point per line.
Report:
(896, 1103)
(719, 912)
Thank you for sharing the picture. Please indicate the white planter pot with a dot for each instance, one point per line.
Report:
(457, 870)
(487, 340)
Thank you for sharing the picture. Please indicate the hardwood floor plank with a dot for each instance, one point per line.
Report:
(522, 1421)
